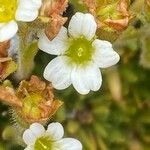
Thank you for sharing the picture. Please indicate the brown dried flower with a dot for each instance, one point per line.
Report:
(110, 15)
(3, 48)
(33, 100)
(147, 2)
(7, 65)
(53, 28)
(51, 12)
(7, 95)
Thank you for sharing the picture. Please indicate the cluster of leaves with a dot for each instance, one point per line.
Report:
(117, 116)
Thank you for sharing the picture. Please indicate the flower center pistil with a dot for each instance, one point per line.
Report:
(30, 105)
(43, 143)
(7, 10)
(80, 51)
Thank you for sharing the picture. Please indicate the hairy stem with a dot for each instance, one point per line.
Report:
(27, 52)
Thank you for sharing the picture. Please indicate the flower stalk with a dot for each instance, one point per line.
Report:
(26, 57)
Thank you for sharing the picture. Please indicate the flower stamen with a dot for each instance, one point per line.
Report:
(80, 50)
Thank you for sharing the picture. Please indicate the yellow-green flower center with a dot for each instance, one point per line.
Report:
(80, 50)
(7, 10)
(43, 143)
(30, 106)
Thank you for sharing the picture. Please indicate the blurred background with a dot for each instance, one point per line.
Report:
(117, 117)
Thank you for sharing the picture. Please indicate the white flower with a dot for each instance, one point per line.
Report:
(37, 138)
(80, 55)
(16, 10)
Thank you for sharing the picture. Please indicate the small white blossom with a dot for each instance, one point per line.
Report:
(37, 138)
(16, 10)
(80, 55)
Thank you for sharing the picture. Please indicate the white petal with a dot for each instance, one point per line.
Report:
(30, 135)
(28, 10)
(30, 4)
(78, 80)
(92, 77)
(87, 78)
(68, 144)
(82, 25)
(8, 30)
(55, 131)
(104, 55)
(37, 129)
(55, 47)
(58, 72)
(26, 15)
(37, 3)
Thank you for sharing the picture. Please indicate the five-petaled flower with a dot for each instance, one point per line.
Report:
(80, 55)
(37, 138)
(16, 10)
